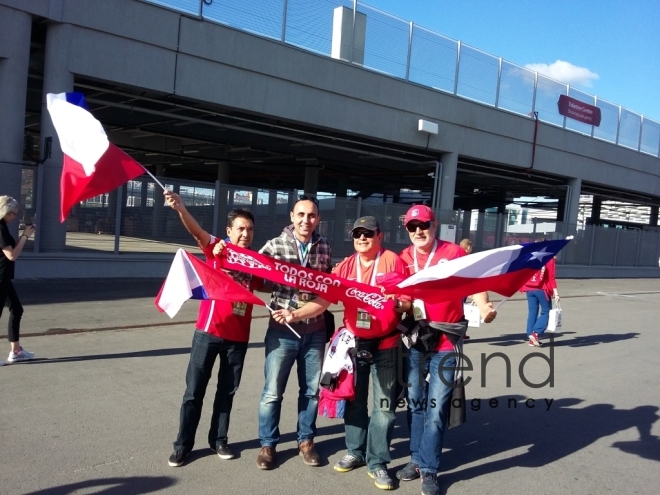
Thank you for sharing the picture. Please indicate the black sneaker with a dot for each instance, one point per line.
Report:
(177, 458)
(409, 472)
(224, 452)
(430, 484)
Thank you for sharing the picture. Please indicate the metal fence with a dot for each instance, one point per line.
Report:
(135, 219)
(402, 49)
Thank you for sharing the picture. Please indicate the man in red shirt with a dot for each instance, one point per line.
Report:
(428, 403)
(367, 440)
(222, 329)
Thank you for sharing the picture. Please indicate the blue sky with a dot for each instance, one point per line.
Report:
(608, 48)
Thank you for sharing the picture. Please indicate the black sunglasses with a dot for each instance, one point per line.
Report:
(412, 227)
(366, 233)
(304, 197)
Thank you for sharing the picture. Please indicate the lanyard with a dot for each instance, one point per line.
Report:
(358, 268)
(428, 261)
(304, 249)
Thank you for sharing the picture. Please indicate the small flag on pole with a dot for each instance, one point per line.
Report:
(92, 164)
(191, 278)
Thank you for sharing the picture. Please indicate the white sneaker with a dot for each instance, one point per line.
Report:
(22, 355)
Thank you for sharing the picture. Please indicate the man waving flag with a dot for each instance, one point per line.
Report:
(92, 165)
(503, 270)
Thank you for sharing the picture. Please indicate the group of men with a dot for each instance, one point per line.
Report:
(223, 329)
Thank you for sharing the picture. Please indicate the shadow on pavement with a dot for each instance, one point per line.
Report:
(115, 486)
(532, 439)
(152, 353)
(557, 338)
(57, 291)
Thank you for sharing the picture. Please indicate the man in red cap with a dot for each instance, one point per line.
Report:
(428, 404)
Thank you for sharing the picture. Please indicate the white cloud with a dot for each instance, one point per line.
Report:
(566, 72)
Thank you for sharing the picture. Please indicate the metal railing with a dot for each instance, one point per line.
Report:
(135, 219)
(402, 49)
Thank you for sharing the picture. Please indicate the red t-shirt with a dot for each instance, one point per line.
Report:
(544, 279)
(445, 312)
(218, 317)
(388, 262)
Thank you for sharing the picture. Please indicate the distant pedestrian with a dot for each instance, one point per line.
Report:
(10, 251)
(539, 289)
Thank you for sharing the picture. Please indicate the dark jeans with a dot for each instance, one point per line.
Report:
(205, 348)
(8, 295)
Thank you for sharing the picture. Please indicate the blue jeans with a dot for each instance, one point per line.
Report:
(283, 349)
(428, 405)
(205, 349)
(369, 439)
(537, 322)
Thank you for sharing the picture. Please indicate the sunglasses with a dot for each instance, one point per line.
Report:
(304, 197)
(412, 227)
(366, 233)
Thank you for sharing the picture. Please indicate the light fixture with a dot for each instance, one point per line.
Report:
(427, 126)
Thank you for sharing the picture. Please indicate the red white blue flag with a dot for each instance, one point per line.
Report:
(504, 270)
(92, 164)
(191, 278)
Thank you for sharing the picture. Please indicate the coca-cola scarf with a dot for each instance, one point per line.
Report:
(328, 286)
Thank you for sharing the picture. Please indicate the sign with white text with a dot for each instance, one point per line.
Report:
(579, 110)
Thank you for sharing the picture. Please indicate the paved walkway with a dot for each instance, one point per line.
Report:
(98, 411)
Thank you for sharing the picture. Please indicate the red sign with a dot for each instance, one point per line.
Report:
(578, 110)
(330, 287)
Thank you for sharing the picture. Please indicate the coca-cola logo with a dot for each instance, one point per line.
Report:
(374, 300)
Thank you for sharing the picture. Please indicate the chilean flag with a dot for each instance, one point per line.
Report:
(92, 165)
(191, 278)
(504, 270)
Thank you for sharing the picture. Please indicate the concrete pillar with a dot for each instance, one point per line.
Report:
(15, 29)
(158, 217)
(465, 227)
(311, 180)
(448, 186)
(223, 172)
(572, 206)
(479, 238)
(342, 35)
(499, 229)
(339, 219)
(653, 220)
(596, 206)
(271, 225)
(57, 79)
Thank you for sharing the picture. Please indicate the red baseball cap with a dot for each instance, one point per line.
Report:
(421, 213)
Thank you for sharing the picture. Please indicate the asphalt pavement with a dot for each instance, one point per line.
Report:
(97, 411)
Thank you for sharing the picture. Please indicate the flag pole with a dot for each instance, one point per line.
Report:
(154, 178)
(505, 299)
(290, 328)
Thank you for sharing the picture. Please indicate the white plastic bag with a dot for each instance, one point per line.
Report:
(472, 314)
(554, 319)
